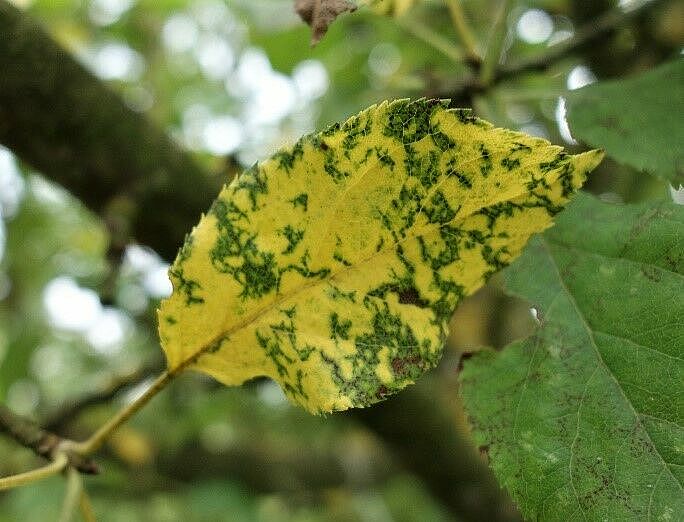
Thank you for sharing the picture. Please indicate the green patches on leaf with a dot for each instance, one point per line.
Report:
(338, 295)
(187, 287)
(442, 141)
(439, 210)
(340, 259)
(389, 330)
(425, 168)
(331, 167)
(300, 200)
(293, 237)
(510, 163)
(334, 267)
(547, 166)
(273, 351)
(486, 160)
(466, 116)
(364, 386)
(384, 157)
(287, 159)
(462, 179)
(450, 293)
(236, 253)
(354, 131)
(253, 182)
(409, 122)
(339, 329)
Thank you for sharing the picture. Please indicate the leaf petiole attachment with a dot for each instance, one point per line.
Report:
(97, 439)
(54, 467)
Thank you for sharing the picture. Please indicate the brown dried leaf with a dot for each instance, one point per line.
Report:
(319, 14)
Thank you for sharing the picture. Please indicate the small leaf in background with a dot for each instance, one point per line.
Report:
(319, 14)
(636, 120)
(391, 7)
(334, 266)
(585, 419)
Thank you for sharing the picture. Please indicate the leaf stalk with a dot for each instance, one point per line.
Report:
(463, 31)
(97, 439)
(433, 39)
(20, 479)
(496, 42)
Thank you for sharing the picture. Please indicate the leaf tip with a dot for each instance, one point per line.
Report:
(591, 159)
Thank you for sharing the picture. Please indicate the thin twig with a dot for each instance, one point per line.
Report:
(86, 507)
(587, 34)
(430, 37)
(27, 433)
(97, 439)
(61, 418)
(496, 42)
(463, 31)
(74, 489)
(43, 443)
(20, 479)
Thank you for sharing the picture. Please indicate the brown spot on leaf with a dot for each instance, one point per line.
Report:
(319, 14)
(402, 365)
(651, 273)
(412, 297)
(484, 451)
(382, 392)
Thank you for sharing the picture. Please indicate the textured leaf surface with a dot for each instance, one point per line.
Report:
(334, 266)
(636, 120)
(585, 419)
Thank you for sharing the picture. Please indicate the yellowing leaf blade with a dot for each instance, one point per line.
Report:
(334, 266)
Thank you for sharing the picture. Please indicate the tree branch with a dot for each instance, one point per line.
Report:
(43, 443)
(463, 31)
(61, 418)
(585, 35)
(27, 433)
(430, 37)
(61, 120)
(496, 42)
(56, 466)
(592, 32)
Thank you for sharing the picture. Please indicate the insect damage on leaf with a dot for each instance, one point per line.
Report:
(334, 266)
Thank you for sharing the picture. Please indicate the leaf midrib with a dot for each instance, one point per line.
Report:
(227, 332)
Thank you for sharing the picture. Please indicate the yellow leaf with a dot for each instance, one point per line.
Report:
(391, 7)
(334, 266)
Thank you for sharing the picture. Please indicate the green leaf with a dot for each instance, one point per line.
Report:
(636, 120)
(334, 267)
(584, 419)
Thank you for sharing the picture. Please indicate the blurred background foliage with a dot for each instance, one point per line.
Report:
(232, 81)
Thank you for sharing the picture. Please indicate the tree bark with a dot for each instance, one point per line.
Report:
(42, 442)
(61, 120)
